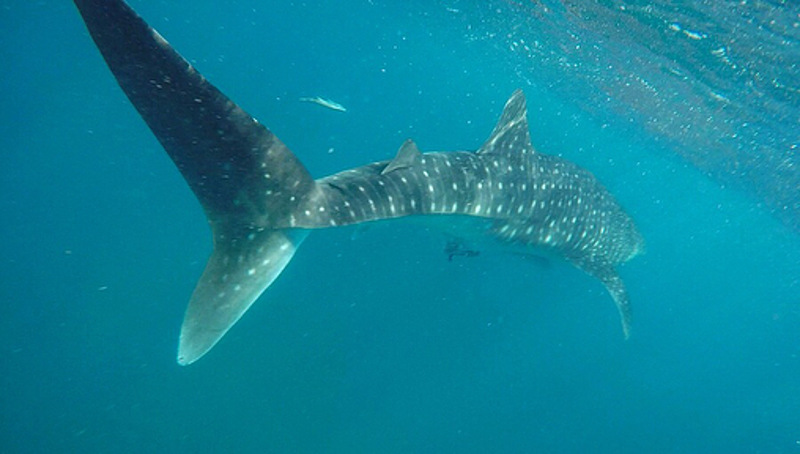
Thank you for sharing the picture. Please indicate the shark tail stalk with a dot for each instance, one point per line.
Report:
(245, 178)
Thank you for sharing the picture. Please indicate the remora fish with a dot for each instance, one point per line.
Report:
(333, 105)
(261, 202)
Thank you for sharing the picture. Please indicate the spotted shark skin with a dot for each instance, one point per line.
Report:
(261, 202)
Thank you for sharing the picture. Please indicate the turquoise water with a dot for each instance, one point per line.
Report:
(371, 340)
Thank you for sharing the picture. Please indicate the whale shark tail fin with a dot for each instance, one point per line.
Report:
(237, 273)
(247, 181)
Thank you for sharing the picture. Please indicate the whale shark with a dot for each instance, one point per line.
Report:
(261, 202)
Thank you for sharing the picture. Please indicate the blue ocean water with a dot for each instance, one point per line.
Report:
(371, 340)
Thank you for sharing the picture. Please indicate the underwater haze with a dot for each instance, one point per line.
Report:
(372, 340)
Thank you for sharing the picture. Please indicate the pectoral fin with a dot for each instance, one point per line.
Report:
(613, 283)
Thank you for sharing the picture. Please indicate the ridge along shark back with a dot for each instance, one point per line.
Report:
(261, 202)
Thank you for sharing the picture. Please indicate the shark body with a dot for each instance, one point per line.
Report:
(261, 202)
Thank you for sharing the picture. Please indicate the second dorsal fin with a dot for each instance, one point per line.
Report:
(407, 156)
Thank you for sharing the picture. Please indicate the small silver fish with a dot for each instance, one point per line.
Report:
(333, 105)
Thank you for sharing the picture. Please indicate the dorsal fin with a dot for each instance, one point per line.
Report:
(511, 133)
(407, 156)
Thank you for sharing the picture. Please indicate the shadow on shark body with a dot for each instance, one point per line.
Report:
(261, 202)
